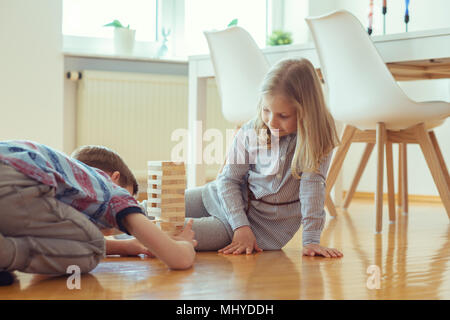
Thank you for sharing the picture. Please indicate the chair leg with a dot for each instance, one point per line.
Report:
(336, 166)
(440, 157)
(330, 206)
(400, 178)
(362, 166)
(432, 158)
(380, 141)
(404, 180)
(390, 181)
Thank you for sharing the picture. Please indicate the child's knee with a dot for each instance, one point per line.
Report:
(55, 256)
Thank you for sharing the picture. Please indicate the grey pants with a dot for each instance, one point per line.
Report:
(210, 232)
(40, 234)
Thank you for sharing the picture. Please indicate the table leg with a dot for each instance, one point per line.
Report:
(195, 173)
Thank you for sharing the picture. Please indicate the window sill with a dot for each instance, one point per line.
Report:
(99, 48)
(131, 57)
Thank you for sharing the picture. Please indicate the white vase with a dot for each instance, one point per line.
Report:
(124, 40)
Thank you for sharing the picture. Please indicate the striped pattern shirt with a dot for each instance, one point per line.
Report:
(87, 189)
(273, 226)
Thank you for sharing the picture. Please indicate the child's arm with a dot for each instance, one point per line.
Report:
(231, 179)
(312, 199)
(176, 254)
(229, 188)
(129, 247)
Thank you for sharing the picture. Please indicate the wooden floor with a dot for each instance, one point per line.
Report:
(413, 256)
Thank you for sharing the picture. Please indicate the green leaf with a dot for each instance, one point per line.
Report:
(233, 22)
(115, 24)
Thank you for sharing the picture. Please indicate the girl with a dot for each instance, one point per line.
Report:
(252, 205)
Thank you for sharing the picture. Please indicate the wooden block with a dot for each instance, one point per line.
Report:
(167, 213)
(178, 205)
(165, 196)
(176, 219)
(164, 163)
(168, 224)
(166, 201)
(166, 191)
(166, 182)
(160, 172)
(174, 216)
(170, 228)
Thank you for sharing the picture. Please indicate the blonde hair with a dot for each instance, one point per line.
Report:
(297, 81)
(107, 160)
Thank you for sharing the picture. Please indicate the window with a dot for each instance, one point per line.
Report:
(201, 15)
(86, 18)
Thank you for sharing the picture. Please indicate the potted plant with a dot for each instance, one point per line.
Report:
(123, 37)
(279, 38)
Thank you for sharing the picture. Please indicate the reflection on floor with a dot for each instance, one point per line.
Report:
(412, 257)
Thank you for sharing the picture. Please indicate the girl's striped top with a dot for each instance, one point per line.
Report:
(273, 226)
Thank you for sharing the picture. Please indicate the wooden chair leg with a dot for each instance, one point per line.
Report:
(336, 166)
(404, 181)
(362, 166)
(330, 206)
(440, 157)
(400, 178)
(430, 154)
(390, 181)
(380, 141)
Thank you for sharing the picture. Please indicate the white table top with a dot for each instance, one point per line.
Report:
(407, 46)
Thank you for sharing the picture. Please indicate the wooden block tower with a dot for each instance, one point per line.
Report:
(166, 185)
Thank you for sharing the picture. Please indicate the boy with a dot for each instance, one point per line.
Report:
(52, 207)
(107, 160)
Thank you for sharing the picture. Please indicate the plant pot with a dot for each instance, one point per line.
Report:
(124, 40)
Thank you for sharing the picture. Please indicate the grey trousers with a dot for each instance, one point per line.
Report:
(210, 232)
(40, 234)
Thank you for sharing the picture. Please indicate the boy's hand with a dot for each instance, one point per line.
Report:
(243, 241)
(313, 249)
(133, 247)
(187, 234)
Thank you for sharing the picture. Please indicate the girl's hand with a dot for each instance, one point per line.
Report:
(187, 234)
(243, 241)
(313, 249)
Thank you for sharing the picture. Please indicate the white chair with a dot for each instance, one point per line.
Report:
(239, 67)
(363, 94)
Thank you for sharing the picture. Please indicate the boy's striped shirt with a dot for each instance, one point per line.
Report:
(87, 189)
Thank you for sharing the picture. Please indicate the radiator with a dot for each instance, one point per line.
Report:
(136, 113)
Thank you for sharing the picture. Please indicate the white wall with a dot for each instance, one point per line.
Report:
(31, 64)
(423, 14)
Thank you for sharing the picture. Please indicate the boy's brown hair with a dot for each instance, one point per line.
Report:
(107, 160)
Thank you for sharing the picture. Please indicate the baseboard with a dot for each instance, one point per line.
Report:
(411, 197)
